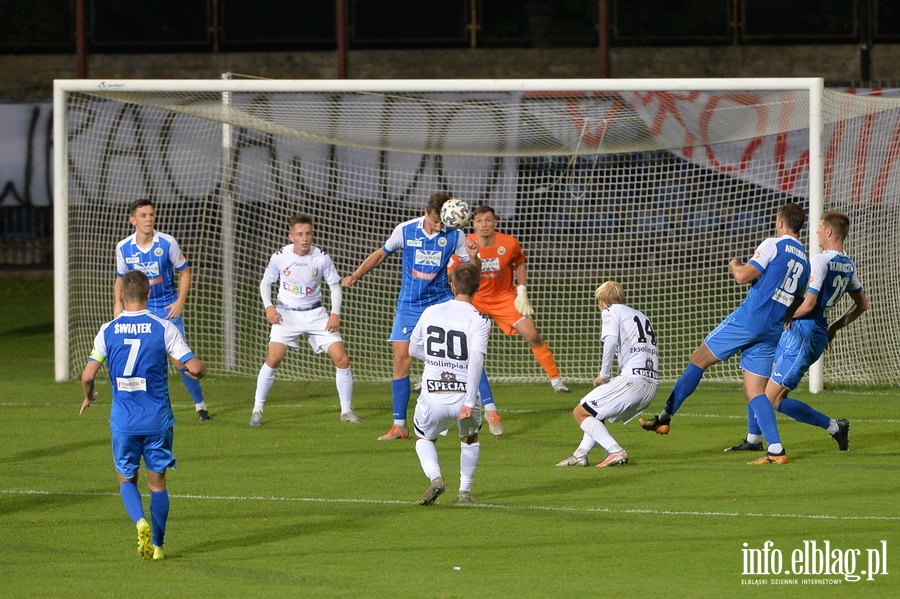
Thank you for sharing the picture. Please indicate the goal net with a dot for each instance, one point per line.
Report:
(654, 183)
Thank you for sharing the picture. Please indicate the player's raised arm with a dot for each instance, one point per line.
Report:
(369, 264)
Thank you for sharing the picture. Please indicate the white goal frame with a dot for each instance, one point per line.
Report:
(814, 87)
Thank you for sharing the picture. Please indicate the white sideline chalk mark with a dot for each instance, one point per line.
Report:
(493, 506)
(681, 415)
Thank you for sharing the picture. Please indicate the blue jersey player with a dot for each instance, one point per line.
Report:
(136, 346)
(778, 273)
(425, 247)
(832, 275)
(159, 257)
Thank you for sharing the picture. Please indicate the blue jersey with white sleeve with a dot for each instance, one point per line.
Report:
(159, 262)
(425, 258)
(136, 347)
(784, 269)
(832, 274)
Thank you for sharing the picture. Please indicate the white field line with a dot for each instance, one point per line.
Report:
(521, 508)
(680, 415)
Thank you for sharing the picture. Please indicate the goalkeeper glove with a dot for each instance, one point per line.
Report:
(523, 305)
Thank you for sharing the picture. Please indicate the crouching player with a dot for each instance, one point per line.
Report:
(629, 334)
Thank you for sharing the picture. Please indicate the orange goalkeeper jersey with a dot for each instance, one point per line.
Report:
(498, 265)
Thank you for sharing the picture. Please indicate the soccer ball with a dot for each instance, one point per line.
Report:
(456, 213)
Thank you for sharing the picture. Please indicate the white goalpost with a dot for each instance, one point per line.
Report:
(656, 183)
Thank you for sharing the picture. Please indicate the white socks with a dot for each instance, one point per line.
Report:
(468, 462)
(344, 382)
(428, 458)
(264, 382)
(597, 431)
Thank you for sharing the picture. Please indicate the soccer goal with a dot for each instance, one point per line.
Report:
(655, 183)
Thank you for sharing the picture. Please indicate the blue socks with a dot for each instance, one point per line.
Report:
(159, 514)
(752, 424)
(765, 417)
(400, 397)
(131, 497)
(686, 385)
(484, 388)
(192, 386)
(802, 412)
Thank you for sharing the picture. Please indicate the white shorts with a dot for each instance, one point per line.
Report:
(312, 323)
(433, 417)
(622, 398)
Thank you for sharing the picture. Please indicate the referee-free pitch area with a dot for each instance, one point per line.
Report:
(306, 506)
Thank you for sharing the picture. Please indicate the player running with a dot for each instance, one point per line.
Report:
(832, 275)
(451, 338)
(778, 273)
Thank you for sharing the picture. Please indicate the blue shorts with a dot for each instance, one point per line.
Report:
(757, 348)
(156, 450)
(798, 349)
(404, 323)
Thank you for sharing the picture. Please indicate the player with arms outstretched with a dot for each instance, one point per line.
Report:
(503, 296)
(158, 256)
(301, 268)
(628, 334)
(425, 246)
(832, 275)
(451, 338)
(778, 273)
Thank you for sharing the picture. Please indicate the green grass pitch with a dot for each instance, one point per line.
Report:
(305, 506)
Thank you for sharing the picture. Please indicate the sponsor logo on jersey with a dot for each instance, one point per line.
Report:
(446, 384)
(151, 269)
(647, 371)
(414, 243)
(490, 264)
(424, 276)
(130, 384)
(132, 260)
(783, 297)
(428, 257)
(295, 289)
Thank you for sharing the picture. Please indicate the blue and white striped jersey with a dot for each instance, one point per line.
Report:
(832, 274)
(159, 262)
(425, 259)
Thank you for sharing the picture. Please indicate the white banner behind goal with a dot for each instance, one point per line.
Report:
(654, 183)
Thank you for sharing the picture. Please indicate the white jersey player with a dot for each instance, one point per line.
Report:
(299, 269)
(451, 339)
(628, 334)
